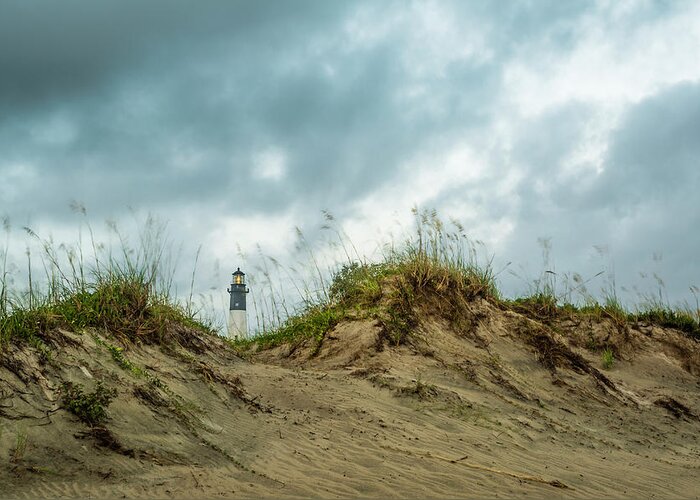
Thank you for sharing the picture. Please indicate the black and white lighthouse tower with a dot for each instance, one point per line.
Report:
(237, 319)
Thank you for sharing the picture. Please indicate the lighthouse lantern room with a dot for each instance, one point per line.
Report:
(237, 318)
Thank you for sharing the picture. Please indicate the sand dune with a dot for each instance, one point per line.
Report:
(510, 406)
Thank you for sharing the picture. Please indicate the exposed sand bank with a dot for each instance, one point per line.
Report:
(509, 407)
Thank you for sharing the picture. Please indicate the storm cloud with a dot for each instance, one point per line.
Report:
(574, 121)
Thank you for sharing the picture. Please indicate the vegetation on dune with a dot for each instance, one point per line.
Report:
(433, 263)
(91, 407)
(608, 358)
(313, 323)
(670, 318)
(126, 306)
(127, 292)
(438, 267)
(126, 295)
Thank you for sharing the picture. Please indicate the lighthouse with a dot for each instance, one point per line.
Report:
(237, 319)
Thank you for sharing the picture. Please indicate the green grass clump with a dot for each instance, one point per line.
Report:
(121, 360)
(126, 293)
(90, 408)
(125, 306)
(313, 323)
(608, 358)
(399, 318)
(18, 451)
(541, 305)
(358, 284)
(419, 389)
(438, 259)
(437, 268)
(435, 262)
(666, 317)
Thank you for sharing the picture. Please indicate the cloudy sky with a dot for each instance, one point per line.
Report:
(577, 121)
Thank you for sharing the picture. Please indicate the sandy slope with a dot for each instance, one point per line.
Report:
(474, 413)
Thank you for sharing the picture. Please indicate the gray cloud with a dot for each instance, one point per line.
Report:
(51, 51)
(643, 204)
(150, 84)
(166, 106)
(655, 154)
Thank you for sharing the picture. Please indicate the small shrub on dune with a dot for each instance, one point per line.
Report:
(90, 408)
(608, 358)
(358, 284)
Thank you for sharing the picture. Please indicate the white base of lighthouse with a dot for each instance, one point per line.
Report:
(237, 324)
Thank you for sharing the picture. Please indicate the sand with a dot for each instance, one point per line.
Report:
(479, 412)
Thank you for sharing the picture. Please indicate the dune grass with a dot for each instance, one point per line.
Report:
(608, 358)
(124, 291)
(438, 266)
(436, 261)
(682, 320)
